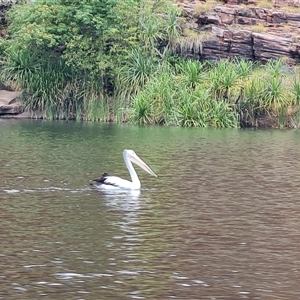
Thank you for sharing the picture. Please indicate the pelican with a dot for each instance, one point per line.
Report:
(107, 181)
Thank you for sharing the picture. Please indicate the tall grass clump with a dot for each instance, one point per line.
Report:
(190, 72)
(177, 96)
(154, 103)
(220, 94)
(17, 67)
(226, 78)
(53, 87)
(277, 97)
(135, 73)
(96, 108)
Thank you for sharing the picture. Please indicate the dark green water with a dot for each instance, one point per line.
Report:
(221, 221)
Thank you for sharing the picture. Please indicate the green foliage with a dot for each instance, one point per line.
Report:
(191, 71)
(225, 81)
(250, 106)
(100, 41)
(142, 111)
(95, 36)
(275, 96)
(222, 116)
(96, 108)
(18, 67)
(190, 112)
(136, 72)
(168, 99)
(99, 60)
(296, 90)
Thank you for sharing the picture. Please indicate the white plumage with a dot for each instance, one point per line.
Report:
(112, 182)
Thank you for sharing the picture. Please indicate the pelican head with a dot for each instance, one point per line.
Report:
(132, 156)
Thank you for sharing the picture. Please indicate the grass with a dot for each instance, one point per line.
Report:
(174, 91)
(201, 8)
(260, 28)
(53, 88)
(264, 3)
(224, 94)
(191, 41)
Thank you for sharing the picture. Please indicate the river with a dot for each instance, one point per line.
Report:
(221, 220)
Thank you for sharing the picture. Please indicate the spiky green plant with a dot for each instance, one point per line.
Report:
(224, 81)
(250, 106)
(134, 75)
(18, 66)
(222, 115)
(193, 109)
(191, 72)
(275, 95)
(274, 67)
(296, 90)
(162, 93)
(189, 115)
(244, 67)
(150, 32)
(141, 113)
(276, 98)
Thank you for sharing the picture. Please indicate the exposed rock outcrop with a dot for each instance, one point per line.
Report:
(11, 107)
(249, 31)
(9, 104)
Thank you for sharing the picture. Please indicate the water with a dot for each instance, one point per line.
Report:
(221, 221)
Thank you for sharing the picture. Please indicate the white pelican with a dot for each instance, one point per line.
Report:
(107, 181)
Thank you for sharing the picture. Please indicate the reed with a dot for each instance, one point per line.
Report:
(96, 108)
(134, 75)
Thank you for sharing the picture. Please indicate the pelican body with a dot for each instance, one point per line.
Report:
(109, 182)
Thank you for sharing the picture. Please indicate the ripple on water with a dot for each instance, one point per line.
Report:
(220, 221)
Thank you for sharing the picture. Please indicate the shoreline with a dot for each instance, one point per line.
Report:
(11, 108)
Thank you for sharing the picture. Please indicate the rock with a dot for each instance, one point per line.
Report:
(275, 32)
(280, 3)
(8, 97)
(9, 104)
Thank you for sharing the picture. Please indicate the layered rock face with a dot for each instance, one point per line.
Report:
(245, 28)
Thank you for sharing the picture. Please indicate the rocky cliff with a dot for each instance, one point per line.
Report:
(253, 29)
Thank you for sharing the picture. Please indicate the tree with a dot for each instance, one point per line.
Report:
(90, 36)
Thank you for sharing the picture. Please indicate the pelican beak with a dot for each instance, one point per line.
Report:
(135, 159)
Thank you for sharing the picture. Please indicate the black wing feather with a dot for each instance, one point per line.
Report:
(102, 180)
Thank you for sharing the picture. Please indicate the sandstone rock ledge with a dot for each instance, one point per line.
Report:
(10, 107)
(9, 104)
(248, 30)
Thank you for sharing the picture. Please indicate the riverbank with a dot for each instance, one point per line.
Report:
(149, 83)
(12, 108)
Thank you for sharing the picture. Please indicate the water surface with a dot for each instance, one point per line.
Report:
(221, 221)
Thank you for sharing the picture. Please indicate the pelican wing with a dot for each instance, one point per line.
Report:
(106, 179)
(114, 181)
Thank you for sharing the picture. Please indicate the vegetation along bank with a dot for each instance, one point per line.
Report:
(101, 61)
